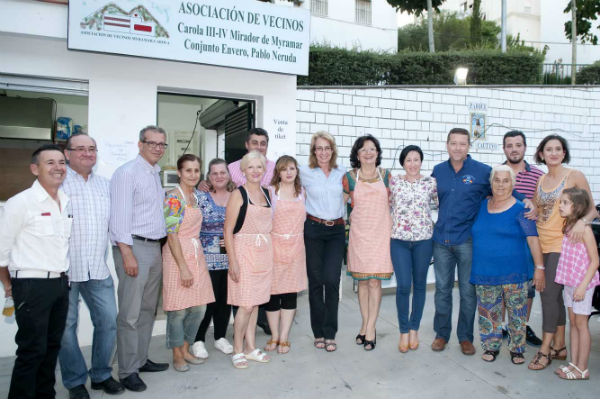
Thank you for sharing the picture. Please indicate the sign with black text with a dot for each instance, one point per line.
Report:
(235, 33)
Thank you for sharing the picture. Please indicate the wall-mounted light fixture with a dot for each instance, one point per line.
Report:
(460, 76)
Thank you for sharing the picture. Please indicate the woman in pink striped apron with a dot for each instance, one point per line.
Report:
(186, 283)
(247, 230)
(289, 258)
(369, 259)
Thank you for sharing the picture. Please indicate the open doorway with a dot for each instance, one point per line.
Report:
(209, 127)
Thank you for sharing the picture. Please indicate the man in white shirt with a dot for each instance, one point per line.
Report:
(34, 241)
(89, 274)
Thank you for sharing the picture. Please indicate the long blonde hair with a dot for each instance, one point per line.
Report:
(312, 159)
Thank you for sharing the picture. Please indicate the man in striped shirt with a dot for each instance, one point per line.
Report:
(515, 145)
(137, 226)
(88, 273)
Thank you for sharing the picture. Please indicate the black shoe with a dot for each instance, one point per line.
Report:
(109, 385)
(133, 382)
(531, 338)
(79, 392)
(151, 367)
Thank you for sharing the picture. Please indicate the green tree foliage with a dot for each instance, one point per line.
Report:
(335, 66)
(476, 23)
(587, 13)
(589, 74)
(451, 33)
(416, 7)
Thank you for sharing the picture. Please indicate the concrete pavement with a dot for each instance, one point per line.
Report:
(351, 372)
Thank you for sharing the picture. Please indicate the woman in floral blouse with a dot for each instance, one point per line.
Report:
(186, 283)
(212, 204)
(411, 245)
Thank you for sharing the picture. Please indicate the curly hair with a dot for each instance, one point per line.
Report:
(358, 144)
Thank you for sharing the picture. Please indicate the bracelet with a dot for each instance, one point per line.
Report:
(538, 267)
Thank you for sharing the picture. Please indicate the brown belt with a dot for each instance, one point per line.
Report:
(328, 223)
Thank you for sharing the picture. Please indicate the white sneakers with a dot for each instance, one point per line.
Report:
(199, 349)
(223, 345)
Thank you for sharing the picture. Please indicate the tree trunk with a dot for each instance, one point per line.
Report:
(573, 42)
(503, 32)
(430, 26)
(476, 23)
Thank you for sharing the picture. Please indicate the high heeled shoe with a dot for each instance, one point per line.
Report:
(360, 339)
(370, 345)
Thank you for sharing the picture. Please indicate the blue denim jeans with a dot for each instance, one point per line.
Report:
(182, 325)
(411, 262)
(448, 258)
(99, 296)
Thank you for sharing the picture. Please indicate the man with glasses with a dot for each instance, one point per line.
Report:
(88, 273)
(137, 227)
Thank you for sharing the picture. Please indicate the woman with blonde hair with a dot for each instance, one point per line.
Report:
(289, 258)
(248, 224)
(324, 237)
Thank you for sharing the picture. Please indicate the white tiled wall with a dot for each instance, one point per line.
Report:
(424, 115)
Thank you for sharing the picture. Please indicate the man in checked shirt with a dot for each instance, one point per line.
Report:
(89, 275)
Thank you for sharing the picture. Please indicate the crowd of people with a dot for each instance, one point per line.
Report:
(255, 233)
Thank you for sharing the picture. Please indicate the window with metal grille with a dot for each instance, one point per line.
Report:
(363, 12)
(318, 8)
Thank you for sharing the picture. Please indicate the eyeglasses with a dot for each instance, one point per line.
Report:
(154, 145)
(322, 149)
(91, 149)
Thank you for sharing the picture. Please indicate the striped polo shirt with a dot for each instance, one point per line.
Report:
(527, 180)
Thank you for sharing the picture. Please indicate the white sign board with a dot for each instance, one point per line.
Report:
(245, 34)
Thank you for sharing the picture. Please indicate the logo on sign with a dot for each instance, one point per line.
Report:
(112, 18)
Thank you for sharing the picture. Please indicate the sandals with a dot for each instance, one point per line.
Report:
(239, 361)
(258, 356)
(517, 358)
(536, 363)
(319, 343)
(284, 347)
(330, 345)
(271, 345)
(493, 355)
(575, 374)
(565, 368)
(360, 339)
(555, 353)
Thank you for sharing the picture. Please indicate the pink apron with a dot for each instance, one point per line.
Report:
(289, 256)
(254, 254)
(370, 231)
(176, 296)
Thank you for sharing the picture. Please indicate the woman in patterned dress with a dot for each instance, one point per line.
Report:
(411, 196)
(553, 151)
(289, 258)
(212, 204)
(504, 242)
(186, 283)
(248, 224)
(369, 259)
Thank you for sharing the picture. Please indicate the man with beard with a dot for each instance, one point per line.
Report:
(515, 145)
